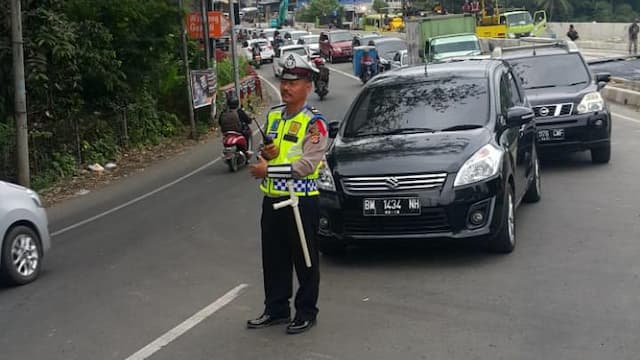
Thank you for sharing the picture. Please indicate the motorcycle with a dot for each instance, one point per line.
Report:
(321, 89)
(367, 71)
(257, 60)
(236, 150)
(321, 85)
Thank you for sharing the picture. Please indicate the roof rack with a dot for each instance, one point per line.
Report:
(533, 43)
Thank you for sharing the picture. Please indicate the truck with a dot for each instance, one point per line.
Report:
(438, 37)
(510, 23)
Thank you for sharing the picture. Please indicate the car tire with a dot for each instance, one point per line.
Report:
(505, 240)
(601, 155)
(535, 188)
(331, 247)
(22, 244)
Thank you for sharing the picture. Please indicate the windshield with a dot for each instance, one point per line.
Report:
(389, 48)
(455, 47)
(311, 39)
(296, 36)
(341, 36)
(551, 71)
(519, 19)
(430, 105)
(300, 51)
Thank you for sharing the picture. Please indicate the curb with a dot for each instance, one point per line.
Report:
(621, 96)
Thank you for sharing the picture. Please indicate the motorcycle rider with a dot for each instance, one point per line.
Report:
(234, 119)
(367, 58)
(323, 72)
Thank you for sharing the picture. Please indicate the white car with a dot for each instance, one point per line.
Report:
(278, 64)
(400, 59)
(295, 35)
(24, 234)
(267, 34)
(266, 50)
(312, 43)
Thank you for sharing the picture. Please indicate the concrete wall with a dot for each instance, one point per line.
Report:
(608, 32)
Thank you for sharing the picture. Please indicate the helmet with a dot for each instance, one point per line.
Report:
(371, 43)
(233, 102)
(318, 61)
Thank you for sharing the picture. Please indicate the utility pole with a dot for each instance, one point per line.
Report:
(234, 55)
(205, 32)
(185, 58)
(22, 131)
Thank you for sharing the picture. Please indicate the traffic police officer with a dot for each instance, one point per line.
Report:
(299, 134)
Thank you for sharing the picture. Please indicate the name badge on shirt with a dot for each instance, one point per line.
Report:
(292, 134)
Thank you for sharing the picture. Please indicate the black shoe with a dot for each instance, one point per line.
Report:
(267, 320)
(299, 326)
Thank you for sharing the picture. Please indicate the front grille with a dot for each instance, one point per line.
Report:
(393, 183)
(432, 220)
(543, 111)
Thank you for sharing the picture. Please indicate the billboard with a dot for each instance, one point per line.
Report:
(203, 87)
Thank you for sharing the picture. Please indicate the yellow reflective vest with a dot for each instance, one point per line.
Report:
(288, 136)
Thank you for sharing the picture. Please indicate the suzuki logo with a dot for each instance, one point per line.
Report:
(544, 111)
(392, 183)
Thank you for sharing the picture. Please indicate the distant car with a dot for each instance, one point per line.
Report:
(387, 47)
(267, 34)
(336, 45)
(24, 234)
(312, 43)
(292, 36)
(400, 59)
(266, 50)
(362, 40)
(571, 115)
(428, 152)
(278, 64)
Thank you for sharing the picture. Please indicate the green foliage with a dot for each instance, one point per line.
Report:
(90, 64)
(318, 8)
(379, 6)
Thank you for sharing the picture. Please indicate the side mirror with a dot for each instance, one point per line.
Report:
(245, 44)
(519, 115)
(334, 126)
(603, 77)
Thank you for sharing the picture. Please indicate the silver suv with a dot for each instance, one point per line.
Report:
(24, 234)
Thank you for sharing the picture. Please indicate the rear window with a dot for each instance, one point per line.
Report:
(389, 48)
(551, 71)
(458, 46)
(434, 104)
(300, 51)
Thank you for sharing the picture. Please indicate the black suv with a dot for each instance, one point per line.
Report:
(571, 115)
(440, 151)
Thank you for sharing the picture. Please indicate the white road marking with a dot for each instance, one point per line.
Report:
(187, 325)
(625, 117)
(275, 88)
(342, 72)
(155, 191)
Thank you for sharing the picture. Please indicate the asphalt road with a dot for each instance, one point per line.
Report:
(571, 290)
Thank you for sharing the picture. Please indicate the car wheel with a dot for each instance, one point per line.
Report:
(535, 188)
(21, 255)
(505, 241)
(601, 155)
(331, 247)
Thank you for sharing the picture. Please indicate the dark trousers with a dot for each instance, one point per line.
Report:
(281, 252)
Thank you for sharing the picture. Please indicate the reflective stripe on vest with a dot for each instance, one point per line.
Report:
(288, 135)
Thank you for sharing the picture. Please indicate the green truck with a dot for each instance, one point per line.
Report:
(439, 37)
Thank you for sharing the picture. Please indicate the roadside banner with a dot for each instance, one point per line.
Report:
(203, 87)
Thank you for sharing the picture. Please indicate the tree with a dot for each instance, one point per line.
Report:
(379, 6)
(562, 7)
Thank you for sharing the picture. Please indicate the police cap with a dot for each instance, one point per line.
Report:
(296, 67)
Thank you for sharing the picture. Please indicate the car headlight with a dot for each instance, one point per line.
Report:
(511, 35)
(482, 165)
(337, 50)
(325, 179)
(590, 103)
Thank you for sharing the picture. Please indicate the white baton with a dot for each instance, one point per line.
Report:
(293, 202)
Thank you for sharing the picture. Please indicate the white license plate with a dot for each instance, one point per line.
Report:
(550, 134)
